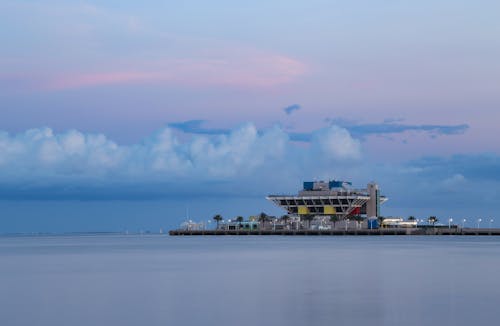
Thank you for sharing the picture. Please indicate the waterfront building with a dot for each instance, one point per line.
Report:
(235, 225)
(332, 198)
(397, 222)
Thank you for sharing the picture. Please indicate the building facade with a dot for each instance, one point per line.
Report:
(332, 198)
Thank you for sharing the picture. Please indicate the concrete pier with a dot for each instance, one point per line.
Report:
(364, 232)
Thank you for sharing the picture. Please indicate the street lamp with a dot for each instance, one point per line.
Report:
(449, 222)
(463, 222)
(479, 222)
(491, 222)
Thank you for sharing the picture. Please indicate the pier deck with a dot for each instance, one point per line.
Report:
(388, 231)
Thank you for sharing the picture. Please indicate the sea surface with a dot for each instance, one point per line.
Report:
(247, 280)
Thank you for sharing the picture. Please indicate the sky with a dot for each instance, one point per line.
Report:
(118, 115)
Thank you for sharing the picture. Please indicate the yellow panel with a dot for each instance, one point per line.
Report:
(329, 210)
(303, 210)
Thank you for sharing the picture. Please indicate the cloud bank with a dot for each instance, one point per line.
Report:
(360, 131)
(244, 162)
(393, 126)
(75, 164)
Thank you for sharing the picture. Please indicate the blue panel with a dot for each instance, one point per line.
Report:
(372, 224)
(308, 185)
(335, 184)
(339, 184)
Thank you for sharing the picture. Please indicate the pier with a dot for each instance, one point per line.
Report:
(349, 232)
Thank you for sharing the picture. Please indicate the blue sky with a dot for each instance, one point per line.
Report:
(118, 115)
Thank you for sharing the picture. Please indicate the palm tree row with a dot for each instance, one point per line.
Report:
(263, 219)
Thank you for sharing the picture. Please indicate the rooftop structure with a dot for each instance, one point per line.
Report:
(332, 198)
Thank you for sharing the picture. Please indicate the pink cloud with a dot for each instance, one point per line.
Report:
(72, 81)
(230, 69)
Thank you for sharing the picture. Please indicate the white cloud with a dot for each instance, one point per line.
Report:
(336, 143)
(40, 152)
(74, 158)
(239, 153)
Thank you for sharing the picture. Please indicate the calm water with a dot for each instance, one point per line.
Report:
(162, 280)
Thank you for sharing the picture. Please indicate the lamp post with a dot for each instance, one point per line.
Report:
(449, 222)
(346, 223)
(491, 222)
(463, 222)
(479, 220)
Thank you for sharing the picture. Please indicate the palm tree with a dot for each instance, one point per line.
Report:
(263, 217)
(239, 219)
(433, 220)
(358, 219)
(308, 218)
(285, 218)
(334, 219)
(217, 219)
